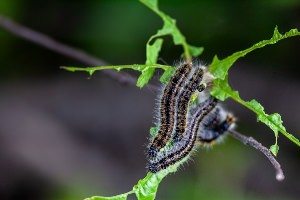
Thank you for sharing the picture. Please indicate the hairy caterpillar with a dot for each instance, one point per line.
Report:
(193, 83)
(188, 142)
(167, 109)
(183, 102)
(214, 126)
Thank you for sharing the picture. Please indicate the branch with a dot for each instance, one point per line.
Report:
(252, 142)
(76, 54)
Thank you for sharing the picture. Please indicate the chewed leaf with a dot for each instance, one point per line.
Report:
(147, 70)
(195, 51)
(146, 188)
(275, 122)
(118, 197)
(153, 51)
(152, 56)
(170, 28)
(165, 78)
(219, 68)
(145, 77)
(136, 67)
(274, 149)
(222, 90)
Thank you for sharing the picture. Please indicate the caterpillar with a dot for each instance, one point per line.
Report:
(188, 142)
(216, 124)
(184, 100)
(167, 109)
(182, 109)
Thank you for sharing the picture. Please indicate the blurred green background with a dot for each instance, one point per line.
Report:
(64, 136)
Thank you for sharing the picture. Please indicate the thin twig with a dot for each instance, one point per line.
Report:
(252, 142)
(71, 52)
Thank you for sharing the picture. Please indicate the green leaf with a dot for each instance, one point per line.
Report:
(147, 70)
(219, 68)
(153, 131)
(165, 78)
(222, 90)
(137, 67)
(146, 188)
(195, 51)
(153, 51)
(274, 149)
(118, 197)
(144, 78)
(152, 56)
(170, 28)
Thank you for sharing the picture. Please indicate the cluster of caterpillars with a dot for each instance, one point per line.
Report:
(183, 124)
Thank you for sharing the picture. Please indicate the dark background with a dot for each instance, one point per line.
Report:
(65, 136)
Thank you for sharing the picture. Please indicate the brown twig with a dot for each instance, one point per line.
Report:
(252, 142)
(71, 52)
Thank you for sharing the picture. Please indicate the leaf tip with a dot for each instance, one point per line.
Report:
(70, 69)
(274, 149)
(91, 72)
(276, 34)
(153, 131)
